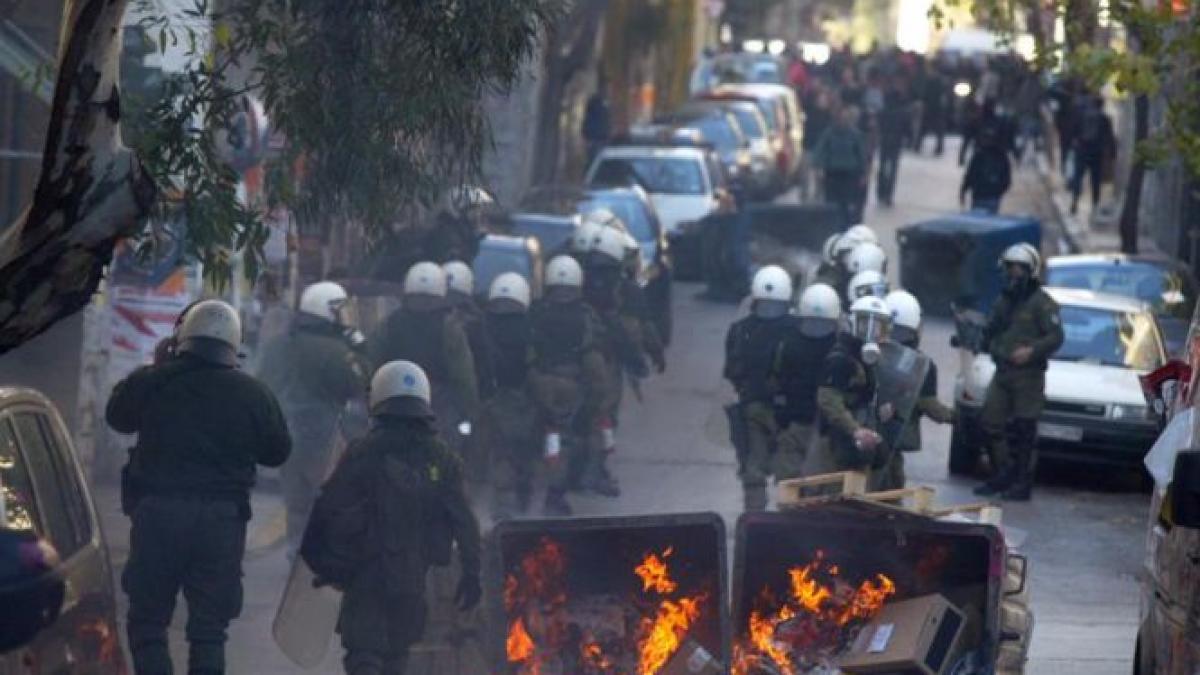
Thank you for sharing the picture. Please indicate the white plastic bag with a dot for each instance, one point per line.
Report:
(1160, 461)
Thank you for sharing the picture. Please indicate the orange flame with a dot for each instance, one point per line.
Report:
(594, 657)
(665, 633)
(519, 645)
(816, 619)
(654, 574)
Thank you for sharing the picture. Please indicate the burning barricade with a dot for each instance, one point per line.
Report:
(850, 586)
(621, 596)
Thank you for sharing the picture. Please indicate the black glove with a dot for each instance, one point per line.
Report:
(468, 593)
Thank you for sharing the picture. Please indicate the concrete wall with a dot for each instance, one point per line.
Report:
(508, 166)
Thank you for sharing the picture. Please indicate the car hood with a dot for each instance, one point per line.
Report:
(1092, 383)
(675, 209)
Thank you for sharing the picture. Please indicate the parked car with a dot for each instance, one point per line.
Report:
(720, 128)
(633, 206)
(44, 493)
(1170, 583)
(740, 67)
(774, 116)
(685, 182)
(1164, 284)
(792, 117)
(1095, 410)
(500, 253)
(766, 176)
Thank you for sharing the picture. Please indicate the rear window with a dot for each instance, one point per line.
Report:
(1168, 292)
(748, 121)
(662, 175)
(59, 495)
(719, 132)
(629, 210)
(18, 508)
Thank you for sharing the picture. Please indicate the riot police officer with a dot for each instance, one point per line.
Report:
(315, 369)
(852, 418)
(906, 330)
(427, 332)
(460, 294)
(509, 417)
(797, 372)
(568, 377)
(834, 270)
(202, 426)
(750, 349)
(866, 283)
(1022, 331)
(866, 256)
(393, 508)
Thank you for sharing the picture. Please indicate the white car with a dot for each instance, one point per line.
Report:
(685, 183)
(1095, 410)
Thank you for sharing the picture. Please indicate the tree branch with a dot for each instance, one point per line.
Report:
(91, 191)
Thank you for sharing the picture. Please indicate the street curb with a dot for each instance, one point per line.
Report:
(1068, 226)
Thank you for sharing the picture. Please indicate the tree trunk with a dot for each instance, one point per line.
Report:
(1131, 207)
(91, 192)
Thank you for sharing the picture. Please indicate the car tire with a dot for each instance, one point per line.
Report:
(964, 456)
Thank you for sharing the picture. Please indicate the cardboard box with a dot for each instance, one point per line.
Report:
(692, 659)
(918, 636)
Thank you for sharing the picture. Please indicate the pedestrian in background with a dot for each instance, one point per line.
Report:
(988, 175)
(597, 120)
(1095, 146)
(893, 129)
(842, 155)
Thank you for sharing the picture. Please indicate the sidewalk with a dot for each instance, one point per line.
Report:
(1086, 231)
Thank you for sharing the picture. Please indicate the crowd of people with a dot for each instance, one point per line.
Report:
(528, 390)
(808, 370)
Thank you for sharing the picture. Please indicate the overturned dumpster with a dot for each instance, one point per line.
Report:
(641, 595)
(848, 585)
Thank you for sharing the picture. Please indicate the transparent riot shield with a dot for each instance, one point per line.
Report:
(307, 615)
(899, 376)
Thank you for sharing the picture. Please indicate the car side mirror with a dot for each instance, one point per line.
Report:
(31, 588)
(1185, 490)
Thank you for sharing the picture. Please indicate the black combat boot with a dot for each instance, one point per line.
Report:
(997, 484)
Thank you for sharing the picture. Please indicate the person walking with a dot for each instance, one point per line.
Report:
(988, 175)
(1023, 330)
(390, 512)
(893, 129)
(841, 153)
(203, 426)
(315, 369)
(1095, 146)
(597, 121)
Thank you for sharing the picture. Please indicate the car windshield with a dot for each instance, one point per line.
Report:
(629, 209)
(661, 175)
(1167, 291)
(492, 261)
(717, 130)
(1126, 339)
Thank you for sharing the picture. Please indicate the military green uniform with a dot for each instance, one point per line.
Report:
(797, 374)
(751, 348)
(1016, 394)
(314, 373)
(406, 486)
(510, 422)
(569, 382)
(435, 340)
(475, 450)
(846, 400)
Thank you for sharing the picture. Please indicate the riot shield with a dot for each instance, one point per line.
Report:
(899, 375)
(307, 615)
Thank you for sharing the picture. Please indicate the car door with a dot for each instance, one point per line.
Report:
(84, 639)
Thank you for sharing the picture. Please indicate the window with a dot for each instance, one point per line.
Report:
(18, 510)
(630, 210)
(661, 175)
(59, 495)
(1167, 291)
(1109, 338)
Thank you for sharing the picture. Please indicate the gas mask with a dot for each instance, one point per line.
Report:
(871, 329)
(1016, 277)
(871, 353)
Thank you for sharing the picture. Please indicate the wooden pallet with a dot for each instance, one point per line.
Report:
(799, 492)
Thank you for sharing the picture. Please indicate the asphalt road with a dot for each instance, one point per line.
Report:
(1085, 529)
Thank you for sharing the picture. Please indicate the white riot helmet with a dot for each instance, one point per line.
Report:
(865, 283)
(459, 277)
(1023, 254)
(608, 245)
(581, 241)
(819, 309)
(771, 291)
(466, 198)
(604, 218)
(827, 249)
(563, 271)
(863, 233)
(400, 388)
(211, 330)
(425, 278)
(325, 300)
(509, 294)
(866, 256)
(870, 319)
(906, 316)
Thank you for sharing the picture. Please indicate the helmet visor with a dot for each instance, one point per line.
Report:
(878, 290)
(869, 327)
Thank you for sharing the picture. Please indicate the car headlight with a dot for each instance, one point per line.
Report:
(1128, 413)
